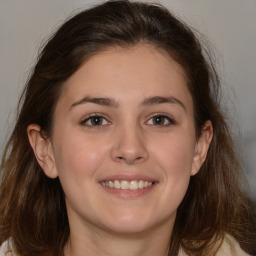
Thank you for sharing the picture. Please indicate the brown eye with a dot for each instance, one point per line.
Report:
(95, 120)
(161, 120)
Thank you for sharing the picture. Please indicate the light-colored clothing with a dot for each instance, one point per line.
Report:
(4, 248)
(228, 248)
(231, 247)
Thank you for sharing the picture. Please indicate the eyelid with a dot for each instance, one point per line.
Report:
(170, 119)
(88, 117)
(164, 115)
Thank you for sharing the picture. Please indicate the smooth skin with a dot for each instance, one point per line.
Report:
(126, 111)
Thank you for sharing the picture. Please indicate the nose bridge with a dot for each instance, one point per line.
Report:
(130, 144)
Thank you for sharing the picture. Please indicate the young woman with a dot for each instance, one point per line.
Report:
(121, 148)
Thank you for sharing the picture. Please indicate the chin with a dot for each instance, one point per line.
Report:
(132, 223)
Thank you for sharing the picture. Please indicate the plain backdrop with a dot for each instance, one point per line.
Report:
(230, 25)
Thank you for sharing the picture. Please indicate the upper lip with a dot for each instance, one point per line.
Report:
(128, 177)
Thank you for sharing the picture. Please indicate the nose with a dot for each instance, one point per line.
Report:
(129, 146)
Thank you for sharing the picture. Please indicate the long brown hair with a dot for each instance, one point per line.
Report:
(32, 208)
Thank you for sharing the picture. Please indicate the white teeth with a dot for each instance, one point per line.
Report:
(141, 184)
(124, 184)
(134, 185)
(110, 183)
(117, 184)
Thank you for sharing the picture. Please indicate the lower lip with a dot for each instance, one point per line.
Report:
(127, 193)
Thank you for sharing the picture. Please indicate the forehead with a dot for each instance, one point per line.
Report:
(138, 71)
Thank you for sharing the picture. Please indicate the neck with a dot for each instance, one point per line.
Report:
(101, 242)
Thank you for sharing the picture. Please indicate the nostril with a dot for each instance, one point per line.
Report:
(129, 155)
(129, 160)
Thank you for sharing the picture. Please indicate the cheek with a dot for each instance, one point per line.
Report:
(78, 157)
(175, 155)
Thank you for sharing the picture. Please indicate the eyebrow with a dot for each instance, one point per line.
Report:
(113, 103)
(160, 100)
(99, 101)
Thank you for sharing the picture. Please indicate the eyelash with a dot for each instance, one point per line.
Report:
(103, 119)
(90, 118)
(163, 116)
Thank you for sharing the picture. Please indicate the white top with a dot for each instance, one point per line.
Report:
(3, 248)
(229, 248)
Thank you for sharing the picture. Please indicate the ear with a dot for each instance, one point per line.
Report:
(202, 146)
(42, 148)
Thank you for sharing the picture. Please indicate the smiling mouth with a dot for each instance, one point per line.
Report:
(127, 185)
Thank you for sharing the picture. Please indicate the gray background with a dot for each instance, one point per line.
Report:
(229, 24)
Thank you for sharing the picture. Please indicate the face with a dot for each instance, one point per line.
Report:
(123, 141)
